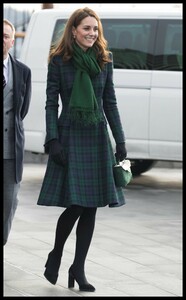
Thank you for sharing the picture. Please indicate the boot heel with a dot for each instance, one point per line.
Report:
(70, 280)
(83, 285)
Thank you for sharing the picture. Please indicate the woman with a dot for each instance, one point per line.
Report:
(79, 174)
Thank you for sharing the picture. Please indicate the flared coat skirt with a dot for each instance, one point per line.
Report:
(87, 178)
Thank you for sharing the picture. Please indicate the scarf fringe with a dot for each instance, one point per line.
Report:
(85, 118)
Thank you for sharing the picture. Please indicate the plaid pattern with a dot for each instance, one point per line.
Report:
(88, 178)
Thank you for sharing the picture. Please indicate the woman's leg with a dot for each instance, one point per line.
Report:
(64, 227)
(84, 233)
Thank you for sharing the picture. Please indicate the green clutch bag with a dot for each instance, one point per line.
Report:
(122, 173)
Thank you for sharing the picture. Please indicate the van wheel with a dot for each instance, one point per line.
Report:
(139, 166)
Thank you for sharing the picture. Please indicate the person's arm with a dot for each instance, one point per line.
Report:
(27, 95)
(52, 93)
(111, 108)
(112, 115)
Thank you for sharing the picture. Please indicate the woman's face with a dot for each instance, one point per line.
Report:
(86, 32)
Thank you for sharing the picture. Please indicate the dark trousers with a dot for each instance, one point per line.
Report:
(10, 200)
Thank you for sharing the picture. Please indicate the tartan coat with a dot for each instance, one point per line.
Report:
(87, 179)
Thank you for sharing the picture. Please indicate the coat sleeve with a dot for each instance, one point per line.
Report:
(52, 98)
(110, 107)
(27, 95)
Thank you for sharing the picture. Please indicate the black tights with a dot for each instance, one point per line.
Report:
(84, 232)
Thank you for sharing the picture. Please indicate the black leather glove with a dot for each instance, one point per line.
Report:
(121, 152)
(57, 153)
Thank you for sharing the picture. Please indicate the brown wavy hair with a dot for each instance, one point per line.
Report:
(64, 46)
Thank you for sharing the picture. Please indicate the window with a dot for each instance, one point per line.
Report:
(168, 52)
(58, 31)
(131, 42)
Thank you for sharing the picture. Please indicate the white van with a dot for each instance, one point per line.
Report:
(146, 41)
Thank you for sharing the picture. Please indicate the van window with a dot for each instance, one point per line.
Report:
(58, 31)
(168, 52)
(131, 42)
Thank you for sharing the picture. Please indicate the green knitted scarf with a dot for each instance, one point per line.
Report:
(83, 104)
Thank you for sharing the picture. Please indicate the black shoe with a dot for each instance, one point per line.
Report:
(82, 282)
(51, 277)
(52, 266)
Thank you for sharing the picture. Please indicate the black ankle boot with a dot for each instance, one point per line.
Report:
(52, 266)
(81, 280)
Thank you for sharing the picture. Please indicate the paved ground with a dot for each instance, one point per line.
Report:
(136, 250)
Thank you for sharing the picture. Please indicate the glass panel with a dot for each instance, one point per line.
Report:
(169, 46)
(131, 42)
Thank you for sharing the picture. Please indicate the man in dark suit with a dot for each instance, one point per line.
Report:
(16, 96)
